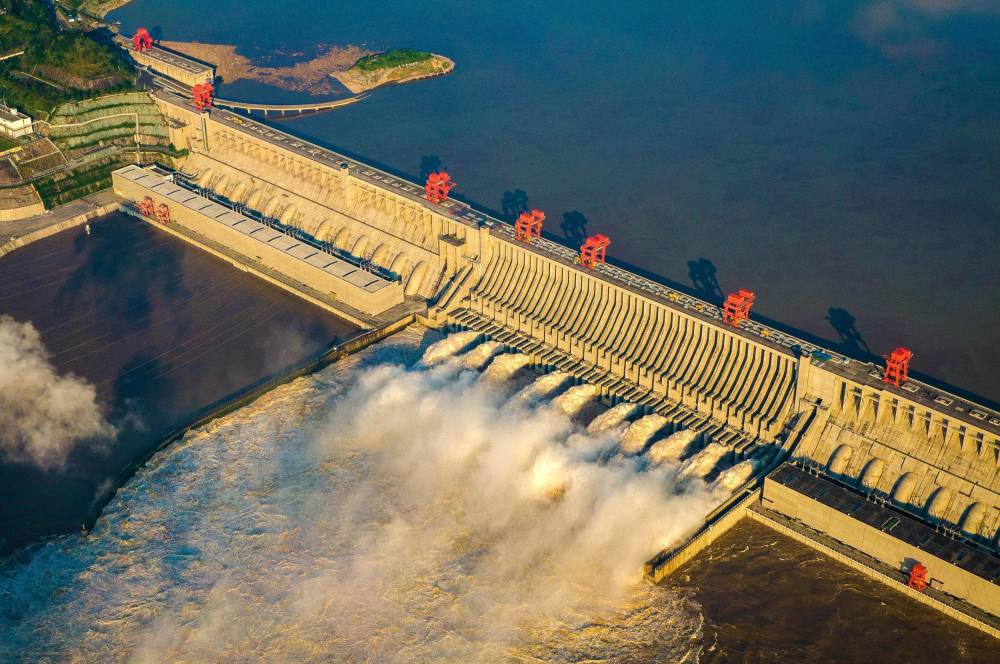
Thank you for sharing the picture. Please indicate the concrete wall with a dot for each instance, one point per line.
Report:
(23, 212)
(881, 546)
(270, 257)
(741, 385)
(663, 566)
(734, 379)
(928, 462)
(201, 73)
(877, 575)
(235, 158)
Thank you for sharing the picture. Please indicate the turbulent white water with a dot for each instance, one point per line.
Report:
(543, 386)
(612, 417)
(735, 477)
(449, 346)
(480, 356)
(573, 400)
(672, 448)
(637, 436)
(504, 366)
(372, 512)
(704, 462)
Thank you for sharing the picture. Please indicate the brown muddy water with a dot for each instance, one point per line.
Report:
(768, 598)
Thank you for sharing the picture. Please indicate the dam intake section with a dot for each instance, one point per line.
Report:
(681, 375)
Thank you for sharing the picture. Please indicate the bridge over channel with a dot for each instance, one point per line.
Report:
(288, 109)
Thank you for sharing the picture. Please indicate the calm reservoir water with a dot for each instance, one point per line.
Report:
(828, 155)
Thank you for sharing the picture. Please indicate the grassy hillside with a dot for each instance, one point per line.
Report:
(56, 66)
(98, 135)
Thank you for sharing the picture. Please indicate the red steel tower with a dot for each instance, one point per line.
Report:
(897, 366)
(594, 250)
(437, 187)
(202, 94)
(529, 225)
(737, 307)
(142, 40)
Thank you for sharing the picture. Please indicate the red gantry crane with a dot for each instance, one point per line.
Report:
(142, 40)
(897, 366)
(594, 251)
(529, 225)
(918, 577)
(438, 186)
(203, 94)
(737, 307)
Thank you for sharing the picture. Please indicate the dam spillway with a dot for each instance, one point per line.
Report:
(754, 392)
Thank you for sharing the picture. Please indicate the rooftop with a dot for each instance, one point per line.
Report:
(8, 114)
(895, 522)
(296, 249)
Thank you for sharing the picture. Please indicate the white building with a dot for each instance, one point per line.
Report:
(13, 123)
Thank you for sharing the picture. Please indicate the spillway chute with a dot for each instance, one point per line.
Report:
(705, 462)
(543, 387)
(733, 478)
(480, 355)
(505, 366)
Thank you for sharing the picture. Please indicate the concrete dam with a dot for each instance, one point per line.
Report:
(899, 480)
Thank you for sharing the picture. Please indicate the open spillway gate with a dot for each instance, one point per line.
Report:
(930, 454)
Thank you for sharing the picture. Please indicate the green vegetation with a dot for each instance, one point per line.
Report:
(395, 58)
(56, 66)
(70, 185)
(7, 143)
(108, 120)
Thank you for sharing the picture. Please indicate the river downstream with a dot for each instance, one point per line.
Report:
(159, 329)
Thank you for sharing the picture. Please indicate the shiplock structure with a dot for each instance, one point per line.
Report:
(885, 473)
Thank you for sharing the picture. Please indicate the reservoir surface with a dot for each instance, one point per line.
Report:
(841, 159)
(162, 330)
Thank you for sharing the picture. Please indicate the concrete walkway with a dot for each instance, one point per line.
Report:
(15, 234)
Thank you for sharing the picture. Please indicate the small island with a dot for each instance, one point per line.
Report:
(393, 67)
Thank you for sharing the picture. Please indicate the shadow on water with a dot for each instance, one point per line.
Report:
(513, 203)
(844, 324)
(574, 228)
(702, 273)
(429, 163)
(127, 279)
